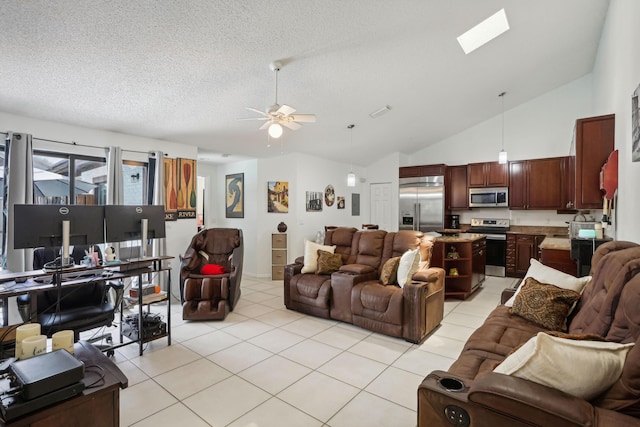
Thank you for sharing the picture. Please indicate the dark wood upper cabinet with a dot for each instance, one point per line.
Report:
(489, 174)
(595, 140)
(457, 195)
(518, 188)
(540, 183)
(425, 170)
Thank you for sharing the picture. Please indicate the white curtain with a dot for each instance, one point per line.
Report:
(18, 187)
(115, 191)
(156, 193)
(156, 189)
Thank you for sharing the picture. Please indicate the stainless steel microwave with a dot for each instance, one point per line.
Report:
(497, 197)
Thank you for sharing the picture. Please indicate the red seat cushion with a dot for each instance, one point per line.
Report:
(212, 269)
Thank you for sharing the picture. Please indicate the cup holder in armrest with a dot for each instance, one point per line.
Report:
(451, 384)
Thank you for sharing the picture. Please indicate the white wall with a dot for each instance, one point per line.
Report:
(542, 127)
(303, 173)
(616, 75)
(179, 233)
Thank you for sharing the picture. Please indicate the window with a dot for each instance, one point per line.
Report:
(135, 182)
(69, 179)
(2, 165)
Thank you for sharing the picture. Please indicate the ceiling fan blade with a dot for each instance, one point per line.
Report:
(291, 125)
(286, 110)
(254, 118)
(304, 118)
(265, 125)
(262, 113)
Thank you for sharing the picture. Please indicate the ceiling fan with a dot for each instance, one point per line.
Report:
(278, 115)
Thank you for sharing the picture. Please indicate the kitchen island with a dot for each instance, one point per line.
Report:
(463, 257)
(555, 252)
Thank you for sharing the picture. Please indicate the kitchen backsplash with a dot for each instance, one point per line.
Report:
(518, 217)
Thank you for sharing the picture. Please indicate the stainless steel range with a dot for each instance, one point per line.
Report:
(496, 232)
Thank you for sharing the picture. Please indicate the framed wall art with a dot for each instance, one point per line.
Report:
(314, 201)
(186, 184)
(341, 202)
(278, 196)
(234, 192)
(329, 195)
(170, 194)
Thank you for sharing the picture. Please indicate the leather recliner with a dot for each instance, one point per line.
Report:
(211, 296)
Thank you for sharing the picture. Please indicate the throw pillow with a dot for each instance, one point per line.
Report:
(212, 269)
(409, 264)
(583, 369)
(328, 262)
(389, 272)
(545, 305)
(311, 255)
(544, 274)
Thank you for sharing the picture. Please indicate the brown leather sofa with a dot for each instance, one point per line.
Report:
(608, 307)
(205, 296)
(354, 294)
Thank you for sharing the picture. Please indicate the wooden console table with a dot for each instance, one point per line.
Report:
(96, 406)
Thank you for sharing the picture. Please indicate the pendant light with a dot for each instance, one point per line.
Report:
(502, 155)
(351, 177)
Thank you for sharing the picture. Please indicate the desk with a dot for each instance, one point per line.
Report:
(86, 275)
(96, 406)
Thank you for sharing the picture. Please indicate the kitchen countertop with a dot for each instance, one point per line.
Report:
(556, 243)
(462, 237)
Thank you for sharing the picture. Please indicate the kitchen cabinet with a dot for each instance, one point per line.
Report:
(456, 187)
(540, 183)
(465, 272)
(424, 170)
(490, 174)
(595, 140)
(520, 249)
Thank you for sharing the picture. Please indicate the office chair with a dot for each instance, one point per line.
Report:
(78, 308)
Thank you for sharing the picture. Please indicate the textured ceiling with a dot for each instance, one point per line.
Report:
(184, 70)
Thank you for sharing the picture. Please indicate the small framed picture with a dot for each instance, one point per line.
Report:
(314, 201)
(234, 191)
(341, 202)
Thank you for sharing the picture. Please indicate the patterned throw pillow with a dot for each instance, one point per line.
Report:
(328, 262)
(389, 273)
(544, 304)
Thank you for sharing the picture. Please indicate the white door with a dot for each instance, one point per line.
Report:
(381, 204)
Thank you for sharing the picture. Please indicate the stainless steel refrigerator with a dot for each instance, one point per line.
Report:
(422, 203)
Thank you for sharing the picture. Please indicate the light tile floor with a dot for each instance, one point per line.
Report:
(268, 366)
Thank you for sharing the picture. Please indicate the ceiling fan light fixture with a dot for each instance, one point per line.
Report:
(275, 130)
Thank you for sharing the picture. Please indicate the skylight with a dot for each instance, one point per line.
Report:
(484, 32)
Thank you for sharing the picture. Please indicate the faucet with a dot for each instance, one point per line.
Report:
(579, 214)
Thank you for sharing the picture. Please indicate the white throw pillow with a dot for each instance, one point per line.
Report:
(311, 255)
(409, 264)
(580, 368)
(551, 276)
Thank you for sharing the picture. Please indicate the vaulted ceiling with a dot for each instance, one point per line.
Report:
(184, 70)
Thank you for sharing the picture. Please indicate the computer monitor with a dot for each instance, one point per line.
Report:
(57, 225)
(126, 223)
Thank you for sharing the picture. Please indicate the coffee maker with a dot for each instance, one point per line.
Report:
(455, 221)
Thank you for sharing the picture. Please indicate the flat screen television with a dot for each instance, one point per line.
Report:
(57, 226)
(125, 223)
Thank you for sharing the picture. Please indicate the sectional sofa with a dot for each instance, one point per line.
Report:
(514, 371)
(354, 292)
